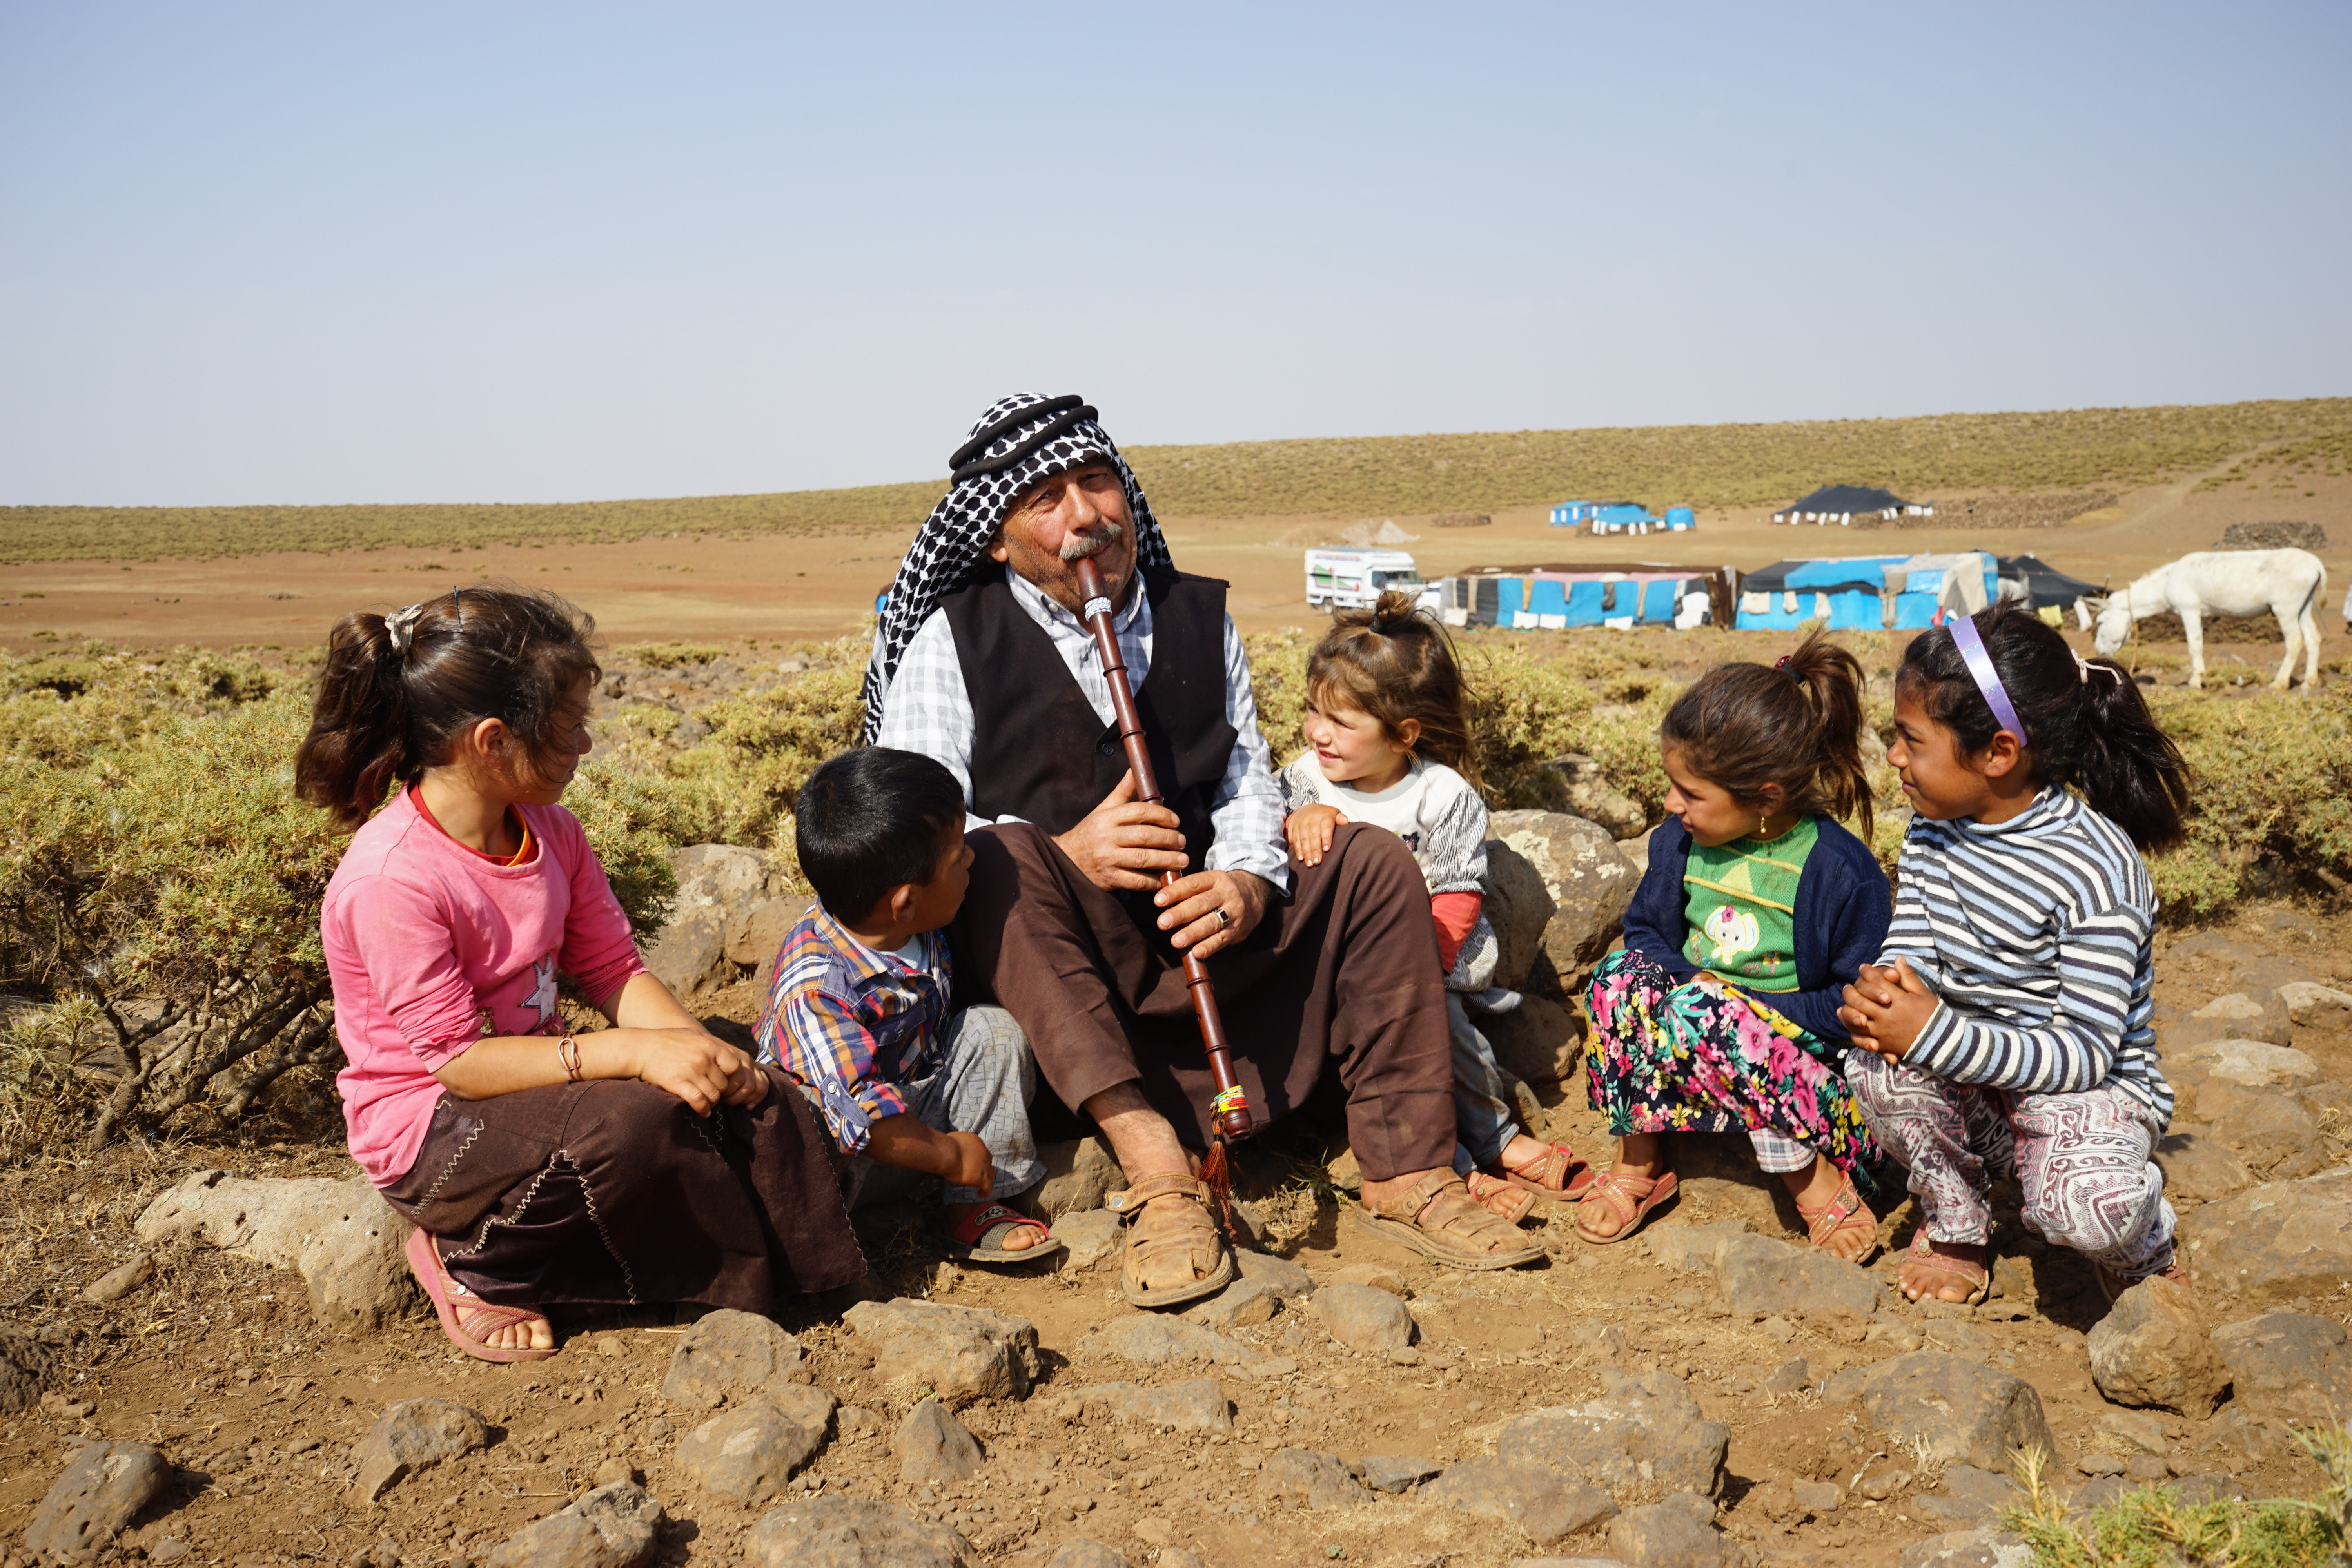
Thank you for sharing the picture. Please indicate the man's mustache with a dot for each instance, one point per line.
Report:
(1080, 546)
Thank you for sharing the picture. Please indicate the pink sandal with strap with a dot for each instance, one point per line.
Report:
(1559, 1174)
(1503, 1199)
(1629, 1197)
(450, 1299)
(1842, 1214)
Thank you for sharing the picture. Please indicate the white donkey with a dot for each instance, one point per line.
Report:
(2286, 583)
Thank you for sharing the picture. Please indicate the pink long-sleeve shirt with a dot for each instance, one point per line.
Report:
(432, 946)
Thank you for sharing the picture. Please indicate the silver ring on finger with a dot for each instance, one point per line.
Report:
(1225, 919)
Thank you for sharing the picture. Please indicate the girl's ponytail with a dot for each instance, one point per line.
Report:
(359, 739)
(2087, 727)
(1796, 723)
(398, 690)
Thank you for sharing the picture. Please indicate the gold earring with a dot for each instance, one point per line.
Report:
(1762, 823)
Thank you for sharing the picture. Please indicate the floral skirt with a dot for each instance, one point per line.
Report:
(1706, 1057)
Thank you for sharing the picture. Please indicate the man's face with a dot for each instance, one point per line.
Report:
(1050, 525)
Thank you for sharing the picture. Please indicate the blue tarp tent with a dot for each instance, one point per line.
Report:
(1868, 593)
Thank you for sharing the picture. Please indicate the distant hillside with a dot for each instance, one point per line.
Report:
(1705, 465)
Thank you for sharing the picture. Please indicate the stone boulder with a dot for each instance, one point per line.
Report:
(1542, 1501)
(411, 1435)
(729, 915)
(728, 1354)
(2258, 1014)
(749, 1454)
(933, 1446)
(2199, 1169)
(855, 1532)
(1325, 1480)
(1078, 1176)
(2266, 1129)
(1643, 1431)
(1763, 1275)
(1678, 1533)
(340, 1236)
(1156, 1342)
(2312, 1005)
(1538, 1041)
(615, 1526)
(961, 1353)
(1362, 1317)
(95, 1498)
(2250, 1064)
(2152, 1350)
(1557, 890)
(1961, 1409)
(1197, 1405)
(1579, 788)
(2274, 1242)
(2291, 1365)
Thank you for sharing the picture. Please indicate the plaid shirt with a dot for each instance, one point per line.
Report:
(929, 711)
(851, 1025)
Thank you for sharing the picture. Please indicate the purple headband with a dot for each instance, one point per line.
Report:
(1987, 679)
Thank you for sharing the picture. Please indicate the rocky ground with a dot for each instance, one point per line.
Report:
(231, 1369)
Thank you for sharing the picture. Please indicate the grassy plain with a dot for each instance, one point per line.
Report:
(1734, 466)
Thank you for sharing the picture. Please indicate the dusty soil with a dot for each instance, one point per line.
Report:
(218, 1361)
(812, 587)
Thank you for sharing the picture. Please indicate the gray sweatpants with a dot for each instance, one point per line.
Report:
(984, 1080)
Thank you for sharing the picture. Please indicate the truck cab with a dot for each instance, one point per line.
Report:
(1355, 579)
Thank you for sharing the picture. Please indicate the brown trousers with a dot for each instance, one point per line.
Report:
(1346, 971)
(615, 1193)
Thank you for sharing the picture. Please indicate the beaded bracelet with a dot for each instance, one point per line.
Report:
(567, 1051)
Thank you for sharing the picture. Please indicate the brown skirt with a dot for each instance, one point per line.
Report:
(613, 1192)
(1343, 974)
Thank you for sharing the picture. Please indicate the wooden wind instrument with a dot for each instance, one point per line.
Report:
(1229, 1114)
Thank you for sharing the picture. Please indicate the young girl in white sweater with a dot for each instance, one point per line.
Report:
(1390, 747)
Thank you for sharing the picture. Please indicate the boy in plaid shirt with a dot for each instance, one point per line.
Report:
(857, 1012)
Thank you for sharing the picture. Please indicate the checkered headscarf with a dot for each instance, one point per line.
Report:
(1019, 441)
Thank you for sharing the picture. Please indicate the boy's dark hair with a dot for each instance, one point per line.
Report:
(396, 691)
(1396, 662)
(1796, 723)
(871, 820)
(2087, 727)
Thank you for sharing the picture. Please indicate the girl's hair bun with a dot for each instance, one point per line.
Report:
(1394, 610)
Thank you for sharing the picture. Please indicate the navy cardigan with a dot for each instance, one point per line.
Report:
(1843, 908)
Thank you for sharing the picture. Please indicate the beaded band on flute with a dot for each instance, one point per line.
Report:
(1229, 1110)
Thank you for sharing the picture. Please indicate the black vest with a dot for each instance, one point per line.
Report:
(1038, 751)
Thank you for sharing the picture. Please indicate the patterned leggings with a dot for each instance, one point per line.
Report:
(1708, 1057)
(2082, 1160)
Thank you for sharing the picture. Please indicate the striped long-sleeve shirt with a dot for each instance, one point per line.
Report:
(2036, 933)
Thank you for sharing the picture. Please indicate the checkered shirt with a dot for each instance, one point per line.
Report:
(851, 1025)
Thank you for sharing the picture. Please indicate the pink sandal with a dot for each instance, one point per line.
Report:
(424, 1262)
(1844, 1212)
(1976, 1279)
(1558, 1174)
(1630, 1198)
(1503, 1199)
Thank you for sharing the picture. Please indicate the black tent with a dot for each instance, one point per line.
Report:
(2040, 585)
(1844, 501)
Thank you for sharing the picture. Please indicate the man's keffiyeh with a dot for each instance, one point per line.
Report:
(1019, 441)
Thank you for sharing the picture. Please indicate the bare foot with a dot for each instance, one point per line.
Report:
(1639, 1154)
(1019, 1238)
(1523, 1150)
(1949, 1272)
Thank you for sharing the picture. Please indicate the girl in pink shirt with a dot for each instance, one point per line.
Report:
(543, 1168)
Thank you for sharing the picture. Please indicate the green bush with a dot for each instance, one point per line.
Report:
(2153, 1528)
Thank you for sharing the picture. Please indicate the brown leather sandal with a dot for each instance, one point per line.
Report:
(1438, 1218)
(1182, 1243)
(1503, 1199)
(1560, 1173)
(1843, 1214)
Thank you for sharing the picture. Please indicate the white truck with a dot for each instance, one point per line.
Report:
(1355, 579)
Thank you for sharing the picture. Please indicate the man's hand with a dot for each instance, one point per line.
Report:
(699, 1068)
(1309, 830)
(1886, 1008)
(1124, 843)
(1190, 908)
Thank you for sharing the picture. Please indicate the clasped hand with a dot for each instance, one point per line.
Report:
(1126, 843)
(699, 1068)
(1884, 1009)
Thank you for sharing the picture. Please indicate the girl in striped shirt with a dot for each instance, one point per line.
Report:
(2005, 1026)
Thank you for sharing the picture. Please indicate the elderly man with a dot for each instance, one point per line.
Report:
(981, 661)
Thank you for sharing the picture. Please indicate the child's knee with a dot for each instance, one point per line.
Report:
(2097, 1217)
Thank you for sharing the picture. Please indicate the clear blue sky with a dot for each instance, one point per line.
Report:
(308, 252)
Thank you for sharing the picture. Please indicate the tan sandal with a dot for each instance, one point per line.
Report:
(1438, 1218)
(1501, 1198)
(1176, 1243)
(1558, 1174)
(1974, 1277)
(1842, 1215)
(1629, 1197)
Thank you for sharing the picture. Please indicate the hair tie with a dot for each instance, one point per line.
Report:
(1781, 664)
(1987, 678)
(457, 606)
(2084, 668)
(400, 627)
